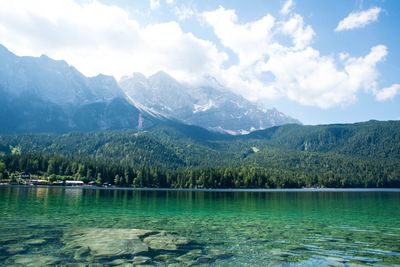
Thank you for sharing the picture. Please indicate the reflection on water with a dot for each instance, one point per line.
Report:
(253, 228)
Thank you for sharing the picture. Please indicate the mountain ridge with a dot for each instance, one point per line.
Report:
(43, 94)
(40, 94)
(210, 106)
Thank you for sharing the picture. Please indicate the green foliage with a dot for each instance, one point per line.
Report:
(117, 180)
(179, 156)
(16, 150)
(368, 139)
(2, 167)
(99, 180)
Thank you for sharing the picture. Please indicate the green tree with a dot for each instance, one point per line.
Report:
(117, 180)
(127, 180)
(53, 178)
(89, 174)
(51, 168)
(16, 150)
(2, 167)
(14, 178)
(99, 180)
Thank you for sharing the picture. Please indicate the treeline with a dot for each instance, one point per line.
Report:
(118, 147)
(58, 167)
(181, 156)
(373, 139)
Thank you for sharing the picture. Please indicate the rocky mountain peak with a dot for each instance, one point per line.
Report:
(208, 105)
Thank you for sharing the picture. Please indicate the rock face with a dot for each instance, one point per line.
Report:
(134, 247)
(53, 80)
(40, 94)
(209, 105)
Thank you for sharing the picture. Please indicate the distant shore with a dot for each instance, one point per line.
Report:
(227, 190)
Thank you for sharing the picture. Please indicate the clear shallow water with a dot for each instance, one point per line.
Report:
(250, 228)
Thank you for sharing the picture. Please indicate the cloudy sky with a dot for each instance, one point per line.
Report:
(318, 61)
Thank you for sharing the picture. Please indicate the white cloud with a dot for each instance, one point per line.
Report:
(301, 34)
(95, 38)
(287, 7)
(387, 93)
(184, 12)
(343, 56)
(170, 2)
(359, 19)
(249, 41)
(154, 4)
(299, 72)
(313, 80)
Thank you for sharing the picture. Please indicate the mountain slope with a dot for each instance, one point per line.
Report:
(211, 106)
(177, 155)
(181, 139)
(53, 80)
(39, 94)
(367, 139)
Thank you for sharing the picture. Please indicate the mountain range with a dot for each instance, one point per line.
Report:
(40, 94)
(210, 105)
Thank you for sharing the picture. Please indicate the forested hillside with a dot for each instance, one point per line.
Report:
(368, 139)
(177, 155)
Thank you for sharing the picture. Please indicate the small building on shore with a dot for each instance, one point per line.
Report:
(39, 182)
(25, 176)
(73, 183)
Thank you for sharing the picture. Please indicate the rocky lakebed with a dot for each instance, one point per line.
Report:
(111, 247)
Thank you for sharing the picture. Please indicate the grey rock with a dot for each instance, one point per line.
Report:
(218, 254)
(140, 260)
(106, 243)
(120, 262)
(208, 105)
(16, 249)
(165, 257)
(36, 241)
(82, 253)
(165, 241)
(35, 260)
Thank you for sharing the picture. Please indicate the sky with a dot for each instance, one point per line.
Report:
(318, 61)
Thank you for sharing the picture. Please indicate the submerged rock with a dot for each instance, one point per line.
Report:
(165, 241)
(121, 262)
(190, 257)
(141, 260)
(34, 260)
(35, 241)
(218, 254)
(135, 247)
(105, 243)
(15, 249)
(166, 257)
(82, 253)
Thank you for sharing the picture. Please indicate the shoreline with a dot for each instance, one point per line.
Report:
(221, 190)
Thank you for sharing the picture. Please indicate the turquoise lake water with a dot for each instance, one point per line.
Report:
(224, 228)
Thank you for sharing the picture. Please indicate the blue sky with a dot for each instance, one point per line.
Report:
(318, 61)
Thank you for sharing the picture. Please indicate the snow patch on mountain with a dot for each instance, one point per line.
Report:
(202, 108)
(208, 105)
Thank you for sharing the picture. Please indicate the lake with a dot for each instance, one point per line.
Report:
(47, 226)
